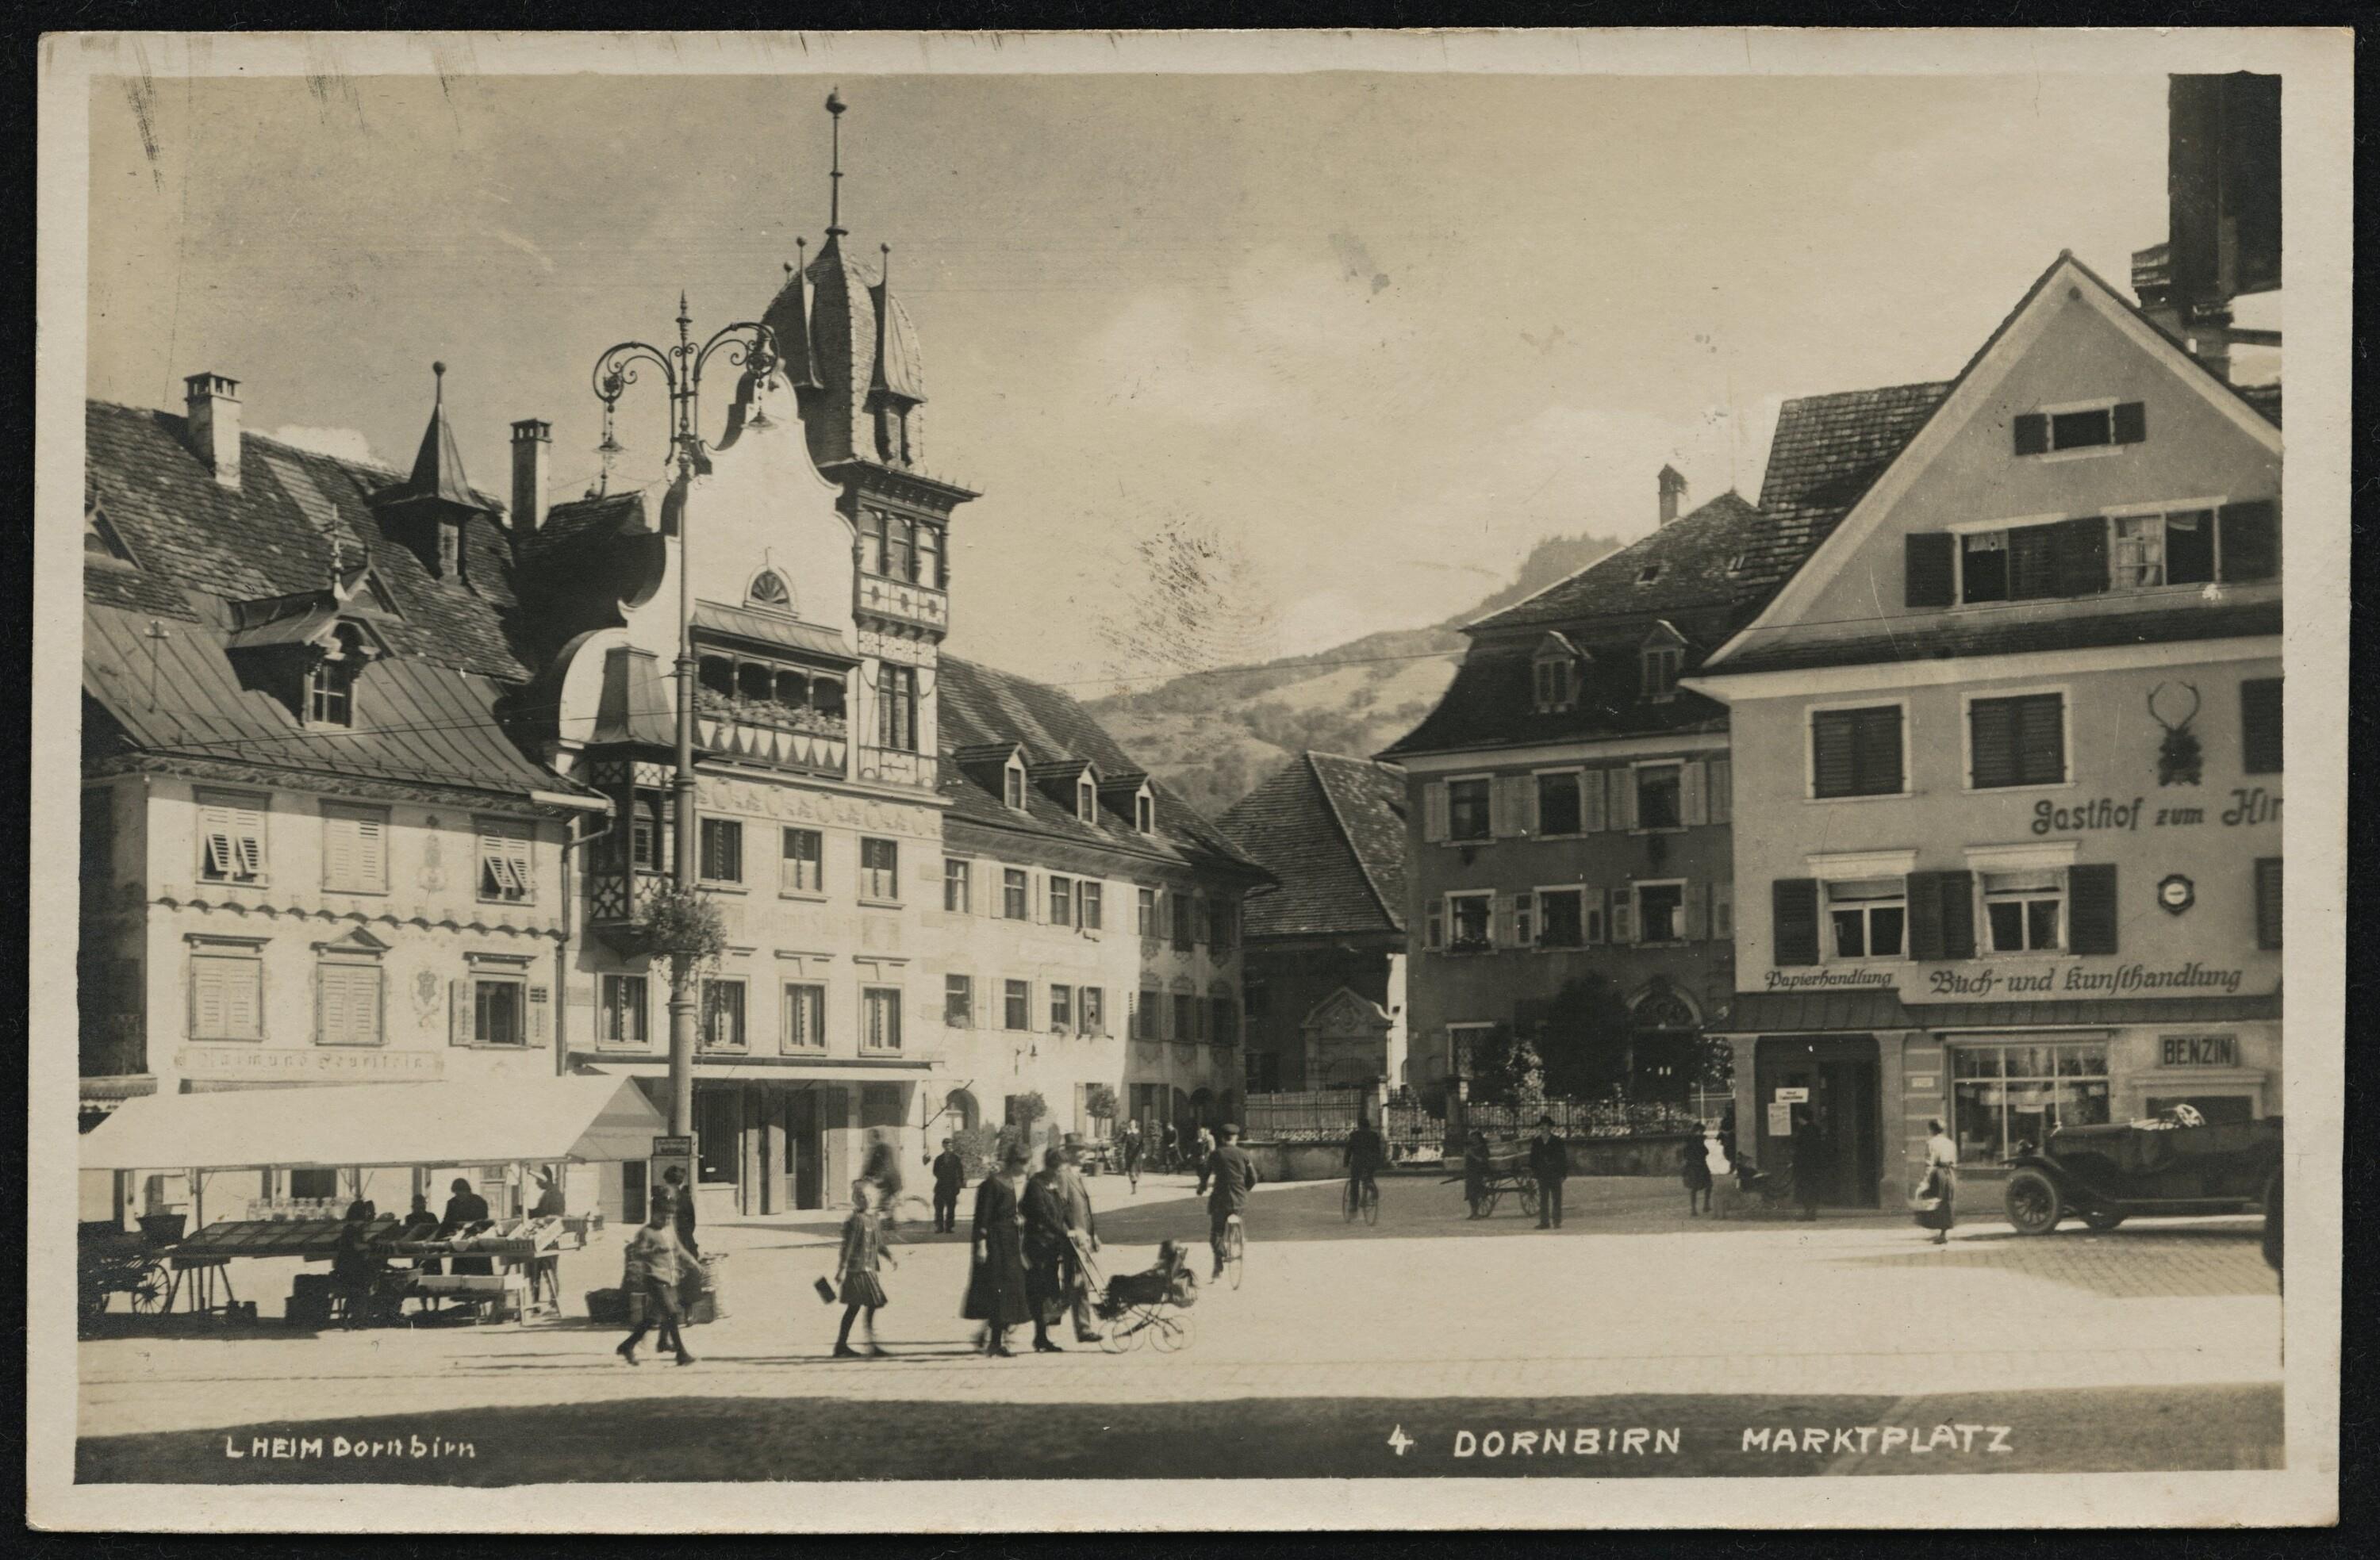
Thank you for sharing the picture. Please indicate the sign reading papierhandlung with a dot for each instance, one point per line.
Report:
(299, 1064)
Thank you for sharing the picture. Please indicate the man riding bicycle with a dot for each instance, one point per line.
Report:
(1232, 1174)
(1367, 1152)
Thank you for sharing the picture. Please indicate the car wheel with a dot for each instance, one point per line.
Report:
(2101, 1220)
(2033, 1203)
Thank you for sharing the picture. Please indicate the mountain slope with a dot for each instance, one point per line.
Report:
(1214, 735)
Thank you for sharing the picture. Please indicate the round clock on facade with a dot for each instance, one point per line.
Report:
(2177, 893)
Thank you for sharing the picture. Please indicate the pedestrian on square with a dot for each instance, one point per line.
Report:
(1808, 1149)
(1203, 1152)
(882, 1170)
(1695, 1169)
(1234, 1175)
(651, 1263)
(1941, 1186)
(680, 1197)
(859, 1286)
(1728, 1192)
(995, 1295)
(1048, 1251)
(1550, 1163)
(1128, 1143)
(1083, 1228)
(950, 1180)
(1478, 1164)
(545, 1268)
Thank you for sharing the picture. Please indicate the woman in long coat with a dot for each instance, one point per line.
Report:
(1048, 1254)
(995, 1295)
(1477, 1162)
(1941, 1186)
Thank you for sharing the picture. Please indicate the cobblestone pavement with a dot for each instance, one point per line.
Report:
(1631, 1298)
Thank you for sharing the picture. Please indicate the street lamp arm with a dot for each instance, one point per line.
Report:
(746, 341)
(617, 368)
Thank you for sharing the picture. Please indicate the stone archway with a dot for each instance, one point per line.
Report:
(965, 1114)
(1664, 1046)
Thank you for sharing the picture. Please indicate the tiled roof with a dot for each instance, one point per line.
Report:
(276, 534)
(1689, 558)
(418, 723)
(603, 516)
(1917, 639)
(1827, 450)
(1333, 830)
(1492, 703)
(980, 707)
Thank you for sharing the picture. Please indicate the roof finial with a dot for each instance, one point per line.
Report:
(835, 106)
(437, 394)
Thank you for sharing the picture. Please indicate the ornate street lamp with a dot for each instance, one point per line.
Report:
(751, 345)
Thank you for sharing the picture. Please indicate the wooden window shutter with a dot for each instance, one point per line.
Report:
(1594, 803)
(2090, 908)
(1698, 925)
(1723, 909)
(372, 850)
(1956, 894)
(2260, 726)
(1721, 782)
(329, 1005)
(1433, 808)
(1991, 741)
(1434, 935)
(1693, 793)
(244, 999)
(1928, 569)
(1834, 753)
(2131, 421)
(1499, 929)
(210, 998)
(1525, 805)
(2249, 536)
(2032, 433)
(1506, 801)
(2268, 901)
(1878, 741)
(2041, 738)
(2081, 551)
(2033, 552)
(1925, 895)
(1592, 908)
(1623, 798)
(1621, 922)
(461, 1021)
(1793, 909)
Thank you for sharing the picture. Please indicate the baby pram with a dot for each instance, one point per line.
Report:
(1151, 1306)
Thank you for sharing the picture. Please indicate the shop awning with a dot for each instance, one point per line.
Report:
(790, 1069)
(1823, 1012)
(1819, 1012)
(538, 1119)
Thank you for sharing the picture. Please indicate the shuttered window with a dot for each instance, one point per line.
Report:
(2268, 901)
(2132, 422)
(355, 850)
(346, 1005)
(1941, 915)
(2250, 540)
(1793, 909)
(2260, 726)
(2033, 572)
(1855, 752)
(1928, 568)
(227, 996)
(231, 837)
(1720, 775)
(1470, 808)
(2017, 741)
(504, 860)
(2078, 556)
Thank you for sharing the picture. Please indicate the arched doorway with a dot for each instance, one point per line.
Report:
(1665, 1050)
(961, 1112)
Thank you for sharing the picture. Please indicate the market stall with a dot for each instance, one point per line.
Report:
(485, 1261)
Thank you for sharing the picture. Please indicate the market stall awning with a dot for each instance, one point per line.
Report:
(790, 1069)
(454, 1122)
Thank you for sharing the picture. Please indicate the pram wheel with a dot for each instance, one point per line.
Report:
(1120, 1333)
(1172, 1331)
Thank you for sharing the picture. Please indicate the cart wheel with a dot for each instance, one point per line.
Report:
(1529, 1201)
(2101, 1220)
(152, 1290)
(2033, 1203)
(1172, 1332)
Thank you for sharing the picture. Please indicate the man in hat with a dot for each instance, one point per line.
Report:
(1083, 1225)
(950, 1178)
(1550, 1163)
(1234, 1176)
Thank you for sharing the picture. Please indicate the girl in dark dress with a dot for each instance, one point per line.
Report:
(1048, 1254)
(995, 1294)
(1695, 1169)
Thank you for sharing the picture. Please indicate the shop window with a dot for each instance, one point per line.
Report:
(1092, 1011)
(879, 870)
(1062, 901)
(1469, 918)
(504, 860)
(231, 837)
(1090, 913)
(801, 866)
(1660, 796)
(1868, 918)
(623, 1017)
(1016, 1003)
(958, 1001)
(347, 1003)
(722, 1014)
(2025, 911)
(1660, 913)
(1856, 751)
(722, 850)
(226, 993)
(958, 885)
(1558, 812)
(2004, 1094)
(1015, 894)
(880, 1017)
(1469, 804)
(1561, 918)
(355, 849)
(803, 1027)
(2016, 740)
(1061, 1007)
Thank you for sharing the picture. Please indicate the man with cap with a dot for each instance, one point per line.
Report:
(950, 1178)
(1083, 1225)
(1234, 1176)
(1550, 1163)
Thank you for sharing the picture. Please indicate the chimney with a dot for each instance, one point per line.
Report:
(212, 410)
(532, 440)
(1673, 493)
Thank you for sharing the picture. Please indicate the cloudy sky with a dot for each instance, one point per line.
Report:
(1357, 340)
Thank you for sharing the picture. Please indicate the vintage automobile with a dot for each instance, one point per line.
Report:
(2176, 1165)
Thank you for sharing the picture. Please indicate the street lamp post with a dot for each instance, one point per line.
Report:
(746, 343)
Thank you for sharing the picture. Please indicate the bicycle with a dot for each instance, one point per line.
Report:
(1362, 1201)
(1235, 1249)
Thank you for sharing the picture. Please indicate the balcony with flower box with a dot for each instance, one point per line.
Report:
(768, 732)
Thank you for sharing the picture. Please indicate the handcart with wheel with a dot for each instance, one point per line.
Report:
(1505, 1178)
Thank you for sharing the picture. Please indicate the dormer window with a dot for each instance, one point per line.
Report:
(1662, 664)
(1144, 812)
(331, 694)
(768, 593)
(1554, 673)
(1649, 573)
(1736, 565)
(1087, 800)
(1013, 787)
(100, 539)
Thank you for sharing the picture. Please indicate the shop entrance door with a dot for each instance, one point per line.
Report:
(802, 1147)
(1831, 1081)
